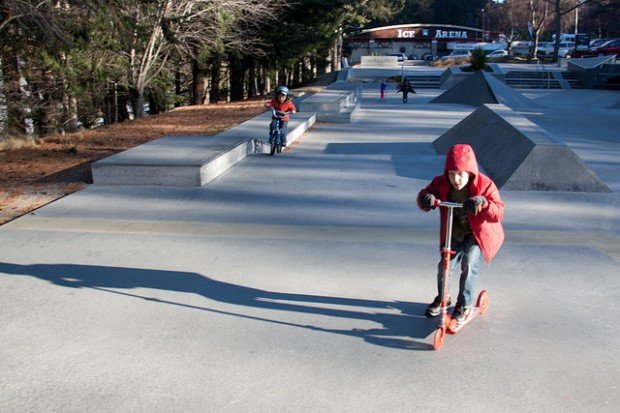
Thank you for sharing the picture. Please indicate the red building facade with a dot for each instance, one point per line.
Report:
(415, 39)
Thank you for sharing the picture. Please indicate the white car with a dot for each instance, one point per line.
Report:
(497, 54)
(566, 48)
(457, 54)
(400, 56)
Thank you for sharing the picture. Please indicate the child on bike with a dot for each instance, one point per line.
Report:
(281, 103)
(477, 227)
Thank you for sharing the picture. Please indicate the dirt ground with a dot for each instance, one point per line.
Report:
(58, 165)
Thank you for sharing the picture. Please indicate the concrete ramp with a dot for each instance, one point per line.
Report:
(518, 154)
(481, 88)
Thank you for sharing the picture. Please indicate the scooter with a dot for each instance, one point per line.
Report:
(448, 324)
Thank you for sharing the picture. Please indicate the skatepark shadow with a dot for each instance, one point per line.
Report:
(410, 159)
(400, 322)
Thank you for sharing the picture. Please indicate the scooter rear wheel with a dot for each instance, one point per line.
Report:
(483, 302)
(440, 335)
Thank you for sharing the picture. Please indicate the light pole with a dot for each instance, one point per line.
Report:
(576, 20)
(577, 16)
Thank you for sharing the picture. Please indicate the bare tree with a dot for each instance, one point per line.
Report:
(160, 28)
(561, 8)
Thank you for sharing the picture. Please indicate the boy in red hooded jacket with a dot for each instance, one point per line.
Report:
(476, 228)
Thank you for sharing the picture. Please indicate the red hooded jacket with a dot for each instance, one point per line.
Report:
(487, 224)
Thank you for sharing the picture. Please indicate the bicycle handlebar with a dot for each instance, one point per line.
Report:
(279, 114)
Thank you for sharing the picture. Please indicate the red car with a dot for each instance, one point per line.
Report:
(612, 47)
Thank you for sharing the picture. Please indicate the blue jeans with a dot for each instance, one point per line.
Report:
(468, 256)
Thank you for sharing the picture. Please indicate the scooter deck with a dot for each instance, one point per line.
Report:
(453, 327)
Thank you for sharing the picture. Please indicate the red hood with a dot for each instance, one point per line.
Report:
(461, 157)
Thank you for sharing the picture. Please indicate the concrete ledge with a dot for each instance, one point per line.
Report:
(518, 154)
(299, 124)
(379, 61)
(192, 160)
(339, 102)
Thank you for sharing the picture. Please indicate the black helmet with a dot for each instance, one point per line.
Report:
(283, 90)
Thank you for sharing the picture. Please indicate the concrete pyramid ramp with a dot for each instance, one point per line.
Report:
(481, 88)
(518, 154)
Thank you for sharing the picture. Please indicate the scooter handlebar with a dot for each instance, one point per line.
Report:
(445, 204)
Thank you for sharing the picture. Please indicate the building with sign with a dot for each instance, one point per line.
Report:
(418, 39)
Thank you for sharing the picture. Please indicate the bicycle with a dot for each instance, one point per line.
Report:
(275, 136)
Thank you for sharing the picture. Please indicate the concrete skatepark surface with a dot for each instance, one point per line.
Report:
(299, 282)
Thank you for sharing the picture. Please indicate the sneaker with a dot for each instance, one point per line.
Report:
(434, 308)
(461, 314)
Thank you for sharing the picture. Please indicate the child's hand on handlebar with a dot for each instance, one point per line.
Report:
(428, 201)
(474, 204)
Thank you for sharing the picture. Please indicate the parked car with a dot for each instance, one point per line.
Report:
(401, 56)
(611, 47)
(520, 48)
(497, 54)
(413, 57)
(566, 48)
(598, 42)
(457, 54)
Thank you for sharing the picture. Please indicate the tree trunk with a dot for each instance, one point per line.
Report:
(237, 79)
(281, 76)
(200, 83)
(3, 108)
(252, 86)
(16, 102)
(557, 29)
(177, 85)
(71, 113)
(137, 102)
(216, 66)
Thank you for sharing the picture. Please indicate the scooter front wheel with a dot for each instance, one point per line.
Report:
(440, 335)
(483, 302)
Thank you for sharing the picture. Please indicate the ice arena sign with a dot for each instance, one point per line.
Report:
(439, 34)
(422, 33)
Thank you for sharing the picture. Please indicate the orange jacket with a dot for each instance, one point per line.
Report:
(286, 106)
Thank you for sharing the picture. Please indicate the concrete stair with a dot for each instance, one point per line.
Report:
(527, 79)
(575, 80)
(424, 81)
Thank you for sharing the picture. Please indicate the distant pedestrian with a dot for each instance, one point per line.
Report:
(406, 88)
(477, 227)
(383, 89)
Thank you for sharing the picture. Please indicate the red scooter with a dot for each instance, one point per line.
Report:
(448, 324)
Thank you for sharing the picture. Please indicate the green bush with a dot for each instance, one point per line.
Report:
(478, 60)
